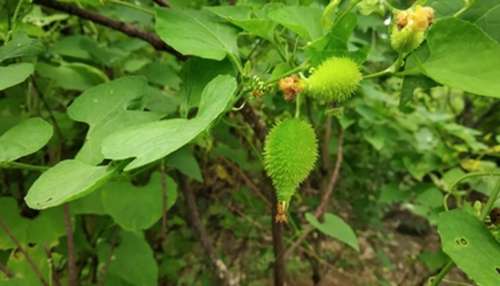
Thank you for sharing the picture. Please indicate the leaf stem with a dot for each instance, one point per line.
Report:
(438, 278)
(297, 106)
(390, 70)
(14, 20)
(23, 166)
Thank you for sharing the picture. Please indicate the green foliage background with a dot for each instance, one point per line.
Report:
(104, 136)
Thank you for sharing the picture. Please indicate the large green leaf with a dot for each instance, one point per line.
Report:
(196, 73)
(20, 46)
(72, 76)
(241, 16)
(335, 227)
(137, 208)
(471, 246)
(10, 216)
(14, 74)
(24, 138)
(66, 181)
(133, 261)
(106, 109)
(334, 43)
(463, 56)
(490, 23)
(152, 141)
(197, 33)
(303, 20)
(46, 228)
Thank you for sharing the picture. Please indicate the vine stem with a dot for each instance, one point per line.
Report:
(297, 106)
(390, 70)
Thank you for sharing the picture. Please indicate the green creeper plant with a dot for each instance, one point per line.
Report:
(290, 152)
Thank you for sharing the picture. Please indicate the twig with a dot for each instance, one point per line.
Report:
(102, 277)
(221, 271)
(121, 26)
(326, 143)
(278, 246)
(6, 271)
(251, 117)
(162, 3)
(248, 181)
(53, 274)
(320, 210)
(72, 273)
(163, 183)
(32, 264)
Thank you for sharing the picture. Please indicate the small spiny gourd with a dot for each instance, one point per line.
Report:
(336, 79)
(290, 152)
(408, 30)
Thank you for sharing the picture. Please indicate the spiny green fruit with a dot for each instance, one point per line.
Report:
(336, 79)
(290, 153)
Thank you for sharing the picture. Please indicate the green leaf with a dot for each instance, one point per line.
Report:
(196, 74)
(11, 217)
(23, 139)
(137, 208)
(184, 161)
(133, 261)
(334, 43)
(14, 74)
(152, 141)
(196, 33)
(471, 246)
(241, 16)
(72, 76)
(335, 227)
(303, 20)
(23, 269)
(462, 56)
(490, 23)
(106, 108)
(45, 228)
(20, 46)
(64, 182)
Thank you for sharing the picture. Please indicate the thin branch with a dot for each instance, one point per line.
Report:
(32, 264)
(326, 143)
(248, 181)
(163, 183)
(117, 25)
(221, 271)
(6, 271)
(320, 210)
(72, 271)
